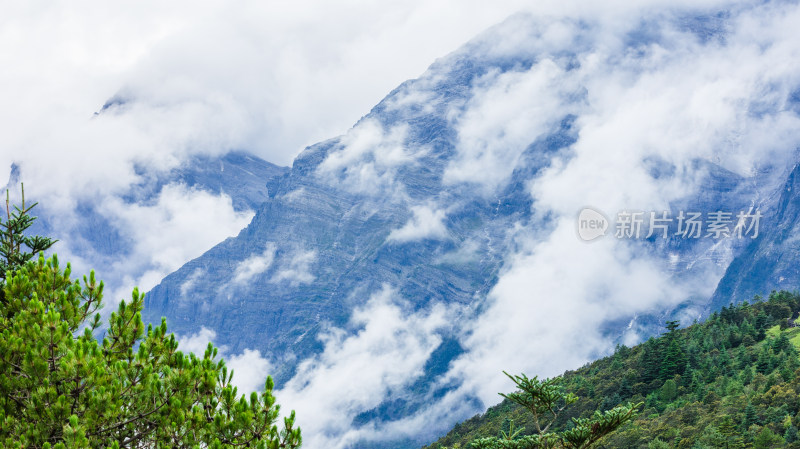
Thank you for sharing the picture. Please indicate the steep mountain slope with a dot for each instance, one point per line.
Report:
(769, 262)
(396, 269)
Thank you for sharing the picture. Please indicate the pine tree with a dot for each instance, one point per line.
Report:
(673, 361)
(747, 375)
(790, 436)
(625, 390)
(658, 444)
(764, 364)
(731, 439)
(546, 400)
(761, 326)
(750, 416)
(61, 387)
(669, 391)
(781, 343)
(650, 361)
(766, 439)
(16, 248)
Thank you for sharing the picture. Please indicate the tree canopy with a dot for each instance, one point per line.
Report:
(62, 386)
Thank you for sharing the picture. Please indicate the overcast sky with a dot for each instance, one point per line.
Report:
(271, 77)
(196, 77)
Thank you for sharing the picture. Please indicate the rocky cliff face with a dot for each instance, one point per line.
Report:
(450, 209)
(770, 262)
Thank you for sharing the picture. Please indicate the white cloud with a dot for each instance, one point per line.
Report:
(296, 267)
(197, 342)
(426, 223)
(546, 311)
(190, 282)
(179, 226)
(676, 100)
(467, 252)
(250, 369)
(506, 113)
(367, 158)
(206, 77)
(369, 138)
(356, 372)
(254, 265)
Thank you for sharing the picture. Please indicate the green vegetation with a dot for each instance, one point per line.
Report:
(61, 387)
(16, 248)
(730, 382)
(546, 400)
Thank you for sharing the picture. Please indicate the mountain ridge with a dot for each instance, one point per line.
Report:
(458, 187)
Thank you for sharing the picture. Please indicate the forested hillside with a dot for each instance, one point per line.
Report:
(731, 382)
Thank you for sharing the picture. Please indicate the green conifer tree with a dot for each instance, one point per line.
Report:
(61, 387)
(731, 439)
(761, 325)
(16, 248)
(790, 436)
(764, 364)
(546, 400)
(673, 361)
(750, 416)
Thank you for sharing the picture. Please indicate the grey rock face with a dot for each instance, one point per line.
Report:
(770, 262)
(388, 204)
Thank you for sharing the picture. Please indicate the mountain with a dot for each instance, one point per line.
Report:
(238, 174)
(393, 271)
(770, 261)
(93, 232)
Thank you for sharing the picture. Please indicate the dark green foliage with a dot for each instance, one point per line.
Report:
(650, 361)
(61, 387)
(674, 361)
(791, 434)
(781, 344)
(750, 416)
(761, 325)
(658, 444)
(737, 388)
(766, 361)
(726, 435)
(664, 358)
